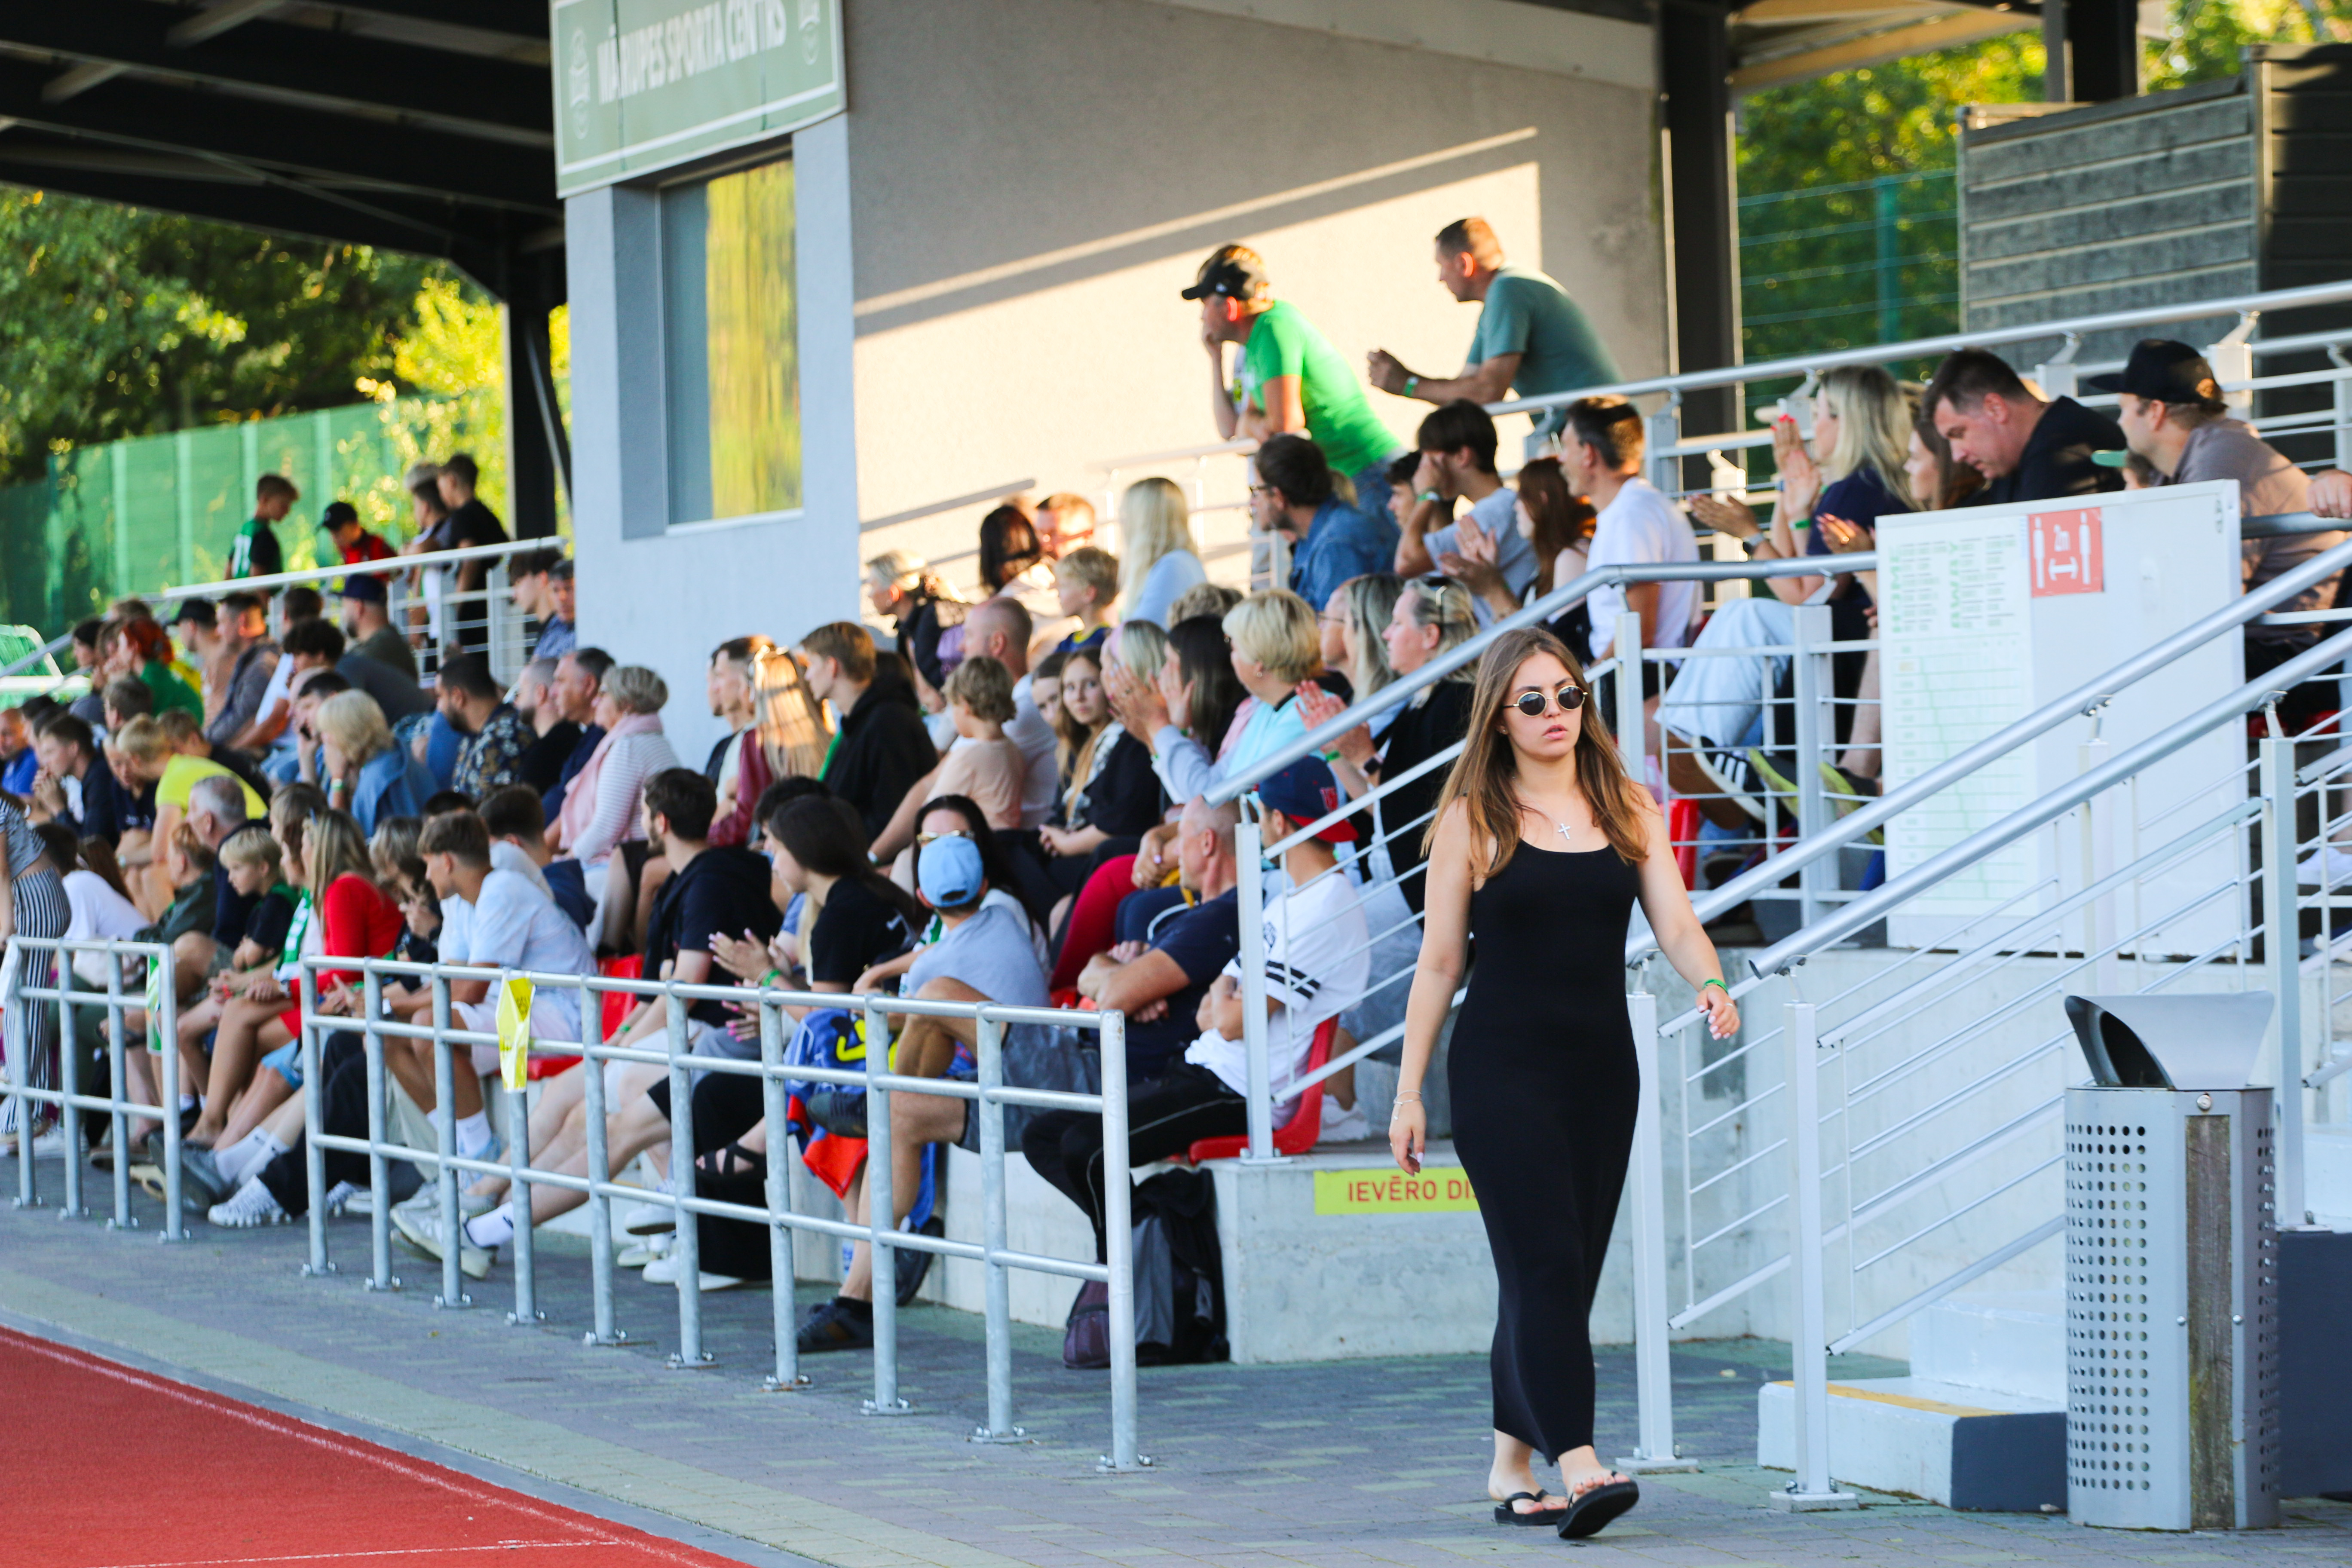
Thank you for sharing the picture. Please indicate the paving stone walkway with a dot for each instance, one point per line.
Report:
(1329, 1465)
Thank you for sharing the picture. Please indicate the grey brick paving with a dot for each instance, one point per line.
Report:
(1331, 1465)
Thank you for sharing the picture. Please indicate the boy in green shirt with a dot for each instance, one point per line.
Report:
(1292, 380)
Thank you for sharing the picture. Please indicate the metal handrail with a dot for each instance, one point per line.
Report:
(54, 645)
(327, 574)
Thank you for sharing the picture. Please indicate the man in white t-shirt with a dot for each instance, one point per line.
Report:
(1601, 452)
(1316, 950)
(1457, 462)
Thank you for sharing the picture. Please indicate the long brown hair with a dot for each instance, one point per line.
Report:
(1562, 518)
(1485, 775)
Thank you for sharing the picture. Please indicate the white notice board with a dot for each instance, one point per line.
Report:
(1988, 613)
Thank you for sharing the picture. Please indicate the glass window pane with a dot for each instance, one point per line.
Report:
(732, 370)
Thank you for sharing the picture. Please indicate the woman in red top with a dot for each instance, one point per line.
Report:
(343, 915)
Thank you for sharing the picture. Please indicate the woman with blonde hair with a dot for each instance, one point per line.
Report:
(1353, 622)
(1541, 846)
(1157, 558)
(368, 774)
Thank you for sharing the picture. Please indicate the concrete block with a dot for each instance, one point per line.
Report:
(2006, 1343)
(1963, 1448)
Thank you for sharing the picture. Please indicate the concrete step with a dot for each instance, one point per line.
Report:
(1962, 1447)
(2003, 1342)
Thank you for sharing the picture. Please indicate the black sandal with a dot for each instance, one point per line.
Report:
(735, 1162)
(1587, 1515)
(1547, 1517)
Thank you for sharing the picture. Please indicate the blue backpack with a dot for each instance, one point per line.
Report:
(830, 1037)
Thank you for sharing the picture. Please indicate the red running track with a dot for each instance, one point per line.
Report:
(102, 1467)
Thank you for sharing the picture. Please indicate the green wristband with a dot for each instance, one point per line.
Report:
(1719, 985)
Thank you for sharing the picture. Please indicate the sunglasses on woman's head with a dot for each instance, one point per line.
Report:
(1535, 704)
(923, 839)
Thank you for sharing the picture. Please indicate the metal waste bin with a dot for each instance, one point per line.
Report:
(2171, 1266)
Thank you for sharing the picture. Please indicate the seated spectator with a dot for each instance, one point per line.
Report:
(883, 747)
(517, 823)
(1277, 647)
(1086, 582)
(919, 607)
(87, 707)
(1355, 657)
(2028, 449)
(1330, 541)
(18, 763)
(1210, 599)
(368, 775)
(319, 644)
(601, 805)
(1198, 695)
(216, 812)
(1457, 463)
(1292, 380)
(1855, 472)
(1000, 630)
(579, 681)
(147, 757)
(2174, 416)
(188, 740)
(1112, 797)
(1164, 957)
(1012, 561)
(1431, 617)
(126, 698)
(74, 785)
(1064, 523)
(559, 633)
(140, 648)
(1314, 953)
(958, 814)
(530, 590)
(738, 766)
(553, 735)
(1601, 452)
(980, 952)
(367, 622)
(248, 658)
(1157, 560)
(2331, 493)
(355, 545)
(300, 762)
(494, 735)
(983, 765)
(1531, 339)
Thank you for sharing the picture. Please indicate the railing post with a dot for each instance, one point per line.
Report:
(164, 1025)
(995, 1278)
(2283, 947)
(2097, 825)
(772, 1102)
(314, 1157)
(69, 1080)
(117, 1091)
(1119, 1230)
(1652, 1365)
(1809, 1341)
(1666, 437)
(1249, 852)
(600, 1172)
(690, 1356)
(526, 1261)
(13, 977)
(1629, 720)
(496, 614)
(444, 1143)
(881, 1221)
(380, 1274)
(1816, 725)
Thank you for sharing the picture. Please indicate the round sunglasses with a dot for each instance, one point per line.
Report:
(1535, 704)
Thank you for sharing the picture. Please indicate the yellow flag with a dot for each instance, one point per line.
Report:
(514, 1032)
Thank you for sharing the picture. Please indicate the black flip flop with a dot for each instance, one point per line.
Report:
(1588, 1514)
(1506, 1514)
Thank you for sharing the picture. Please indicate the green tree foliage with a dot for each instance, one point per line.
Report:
(125, 322)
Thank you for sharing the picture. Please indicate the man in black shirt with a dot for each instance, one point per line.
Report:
(883, 747)
(2028, 449)
(470, 522)
(553, 735)
(67, 748)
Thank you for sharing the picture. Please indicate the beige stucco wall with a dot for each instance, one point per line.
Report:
(1033, 182)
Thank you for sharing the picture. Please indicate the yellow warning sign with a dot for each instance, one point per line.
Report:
(1391, 1191)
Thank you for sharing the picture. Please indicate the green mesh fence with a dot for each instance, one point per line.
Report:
(131, 517)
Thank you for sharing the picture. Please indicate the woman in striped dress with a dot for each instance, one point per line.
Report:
(38, 907)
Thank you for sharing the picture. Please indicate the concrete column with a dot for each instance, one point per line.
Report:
(2094, 50)
(1703, 233)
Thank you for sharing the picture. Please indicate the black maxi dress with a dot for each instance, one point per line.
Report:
(1545, 1087)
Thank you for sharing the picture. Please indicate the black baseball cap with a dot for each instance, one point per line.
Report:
(338, 513)
(363, 586)
(2163, 370)
(197, 610)
(1235, 271)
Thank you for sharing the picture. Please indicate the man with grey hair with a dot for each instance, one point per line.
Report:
(216, 810)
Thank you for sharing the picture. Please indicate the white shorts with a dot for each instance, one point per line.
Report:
(551, 1023)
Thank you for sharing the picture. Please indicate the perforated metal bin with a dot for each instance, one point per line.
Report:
(2171, 1267)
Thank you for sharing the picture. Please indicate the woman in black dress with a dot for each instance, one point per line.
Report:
(1540, 848)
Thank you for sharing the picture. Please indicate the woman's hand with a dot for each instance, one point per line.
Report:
(1317, 706)
(1801, 476)
(1140, 708)
(1408, 1135)
(1056, 841)
(1147, 867)
(784, 952)
(1726, 514)
(740, 956)
(1845, 538)
(1722, 1012)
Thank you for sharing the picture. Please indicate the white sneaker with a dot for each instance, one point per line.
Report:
(649, 1219)
(253, 1204)
(637, 1254)
(671, 1269)
(340, 1196)
(424, 1232)
(2329, 866)
(1344, 1126)
(426, 1199)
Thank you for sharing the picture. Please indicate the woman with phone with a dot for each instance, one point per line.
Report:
(1540, 848)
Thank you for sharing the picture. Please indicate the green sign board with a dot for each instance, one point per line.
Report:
(641, 85)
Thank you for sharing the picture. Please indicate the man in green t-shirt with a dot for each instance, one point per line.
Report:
(1292, 380)
(1531, 338)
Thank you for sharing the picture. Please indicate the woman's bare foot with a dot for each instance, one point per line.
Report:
(1520, 1491)
(1580, 1470)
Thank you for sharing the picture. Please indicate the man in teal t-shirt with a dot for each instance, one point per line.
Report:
(1292, 380)
(1531, 337)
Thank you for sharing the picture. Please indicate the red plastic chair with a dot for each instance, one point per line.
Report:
(1296, 1135)
(1681, 826)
